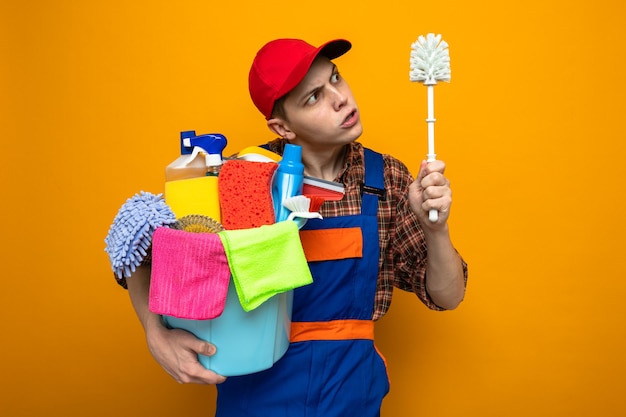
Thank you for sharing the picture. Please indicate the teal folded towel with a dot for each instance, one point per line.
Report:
(265, 261)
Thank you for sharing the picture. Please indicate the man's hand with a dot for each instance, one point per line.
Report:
(174, 349)
(177, 352)
(431, 190)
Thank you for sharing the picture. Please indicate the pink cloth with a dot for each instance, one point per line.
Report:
(190, 274)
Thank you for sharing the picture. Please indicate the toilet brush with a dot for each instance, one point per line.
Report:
(430, 62)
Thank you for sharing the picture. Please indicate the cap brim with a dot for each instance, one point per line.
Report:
(334, 48)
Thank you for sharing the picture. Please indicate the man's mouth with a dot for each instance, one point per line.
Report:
(350, 120)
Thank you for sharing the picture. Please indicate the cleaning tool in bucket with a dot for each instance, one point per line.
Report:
(258, 154)
(328, 190)
(430, 62)
(197, 223)
(129, 238)
(191, 185)
(303, 208)
(190, 274)
(265, 261)
(287, 181)
(198, 154)
(245, 194)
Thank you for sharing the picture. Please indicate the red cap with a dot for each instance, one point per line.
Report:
(281, 64)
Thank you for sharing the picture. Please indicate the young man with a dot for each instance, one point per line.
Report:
(331, 367)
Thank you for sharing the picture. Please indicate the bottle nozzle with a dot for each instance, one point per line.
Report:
(212, 144)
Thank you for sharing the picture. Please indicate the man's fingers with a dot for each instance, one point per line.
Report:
(206, 349)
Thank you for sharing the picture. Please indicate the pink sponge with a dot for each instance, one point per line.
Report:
(245, 190)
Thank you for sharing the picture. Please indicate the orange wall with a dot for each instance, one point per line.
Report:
(93, 95)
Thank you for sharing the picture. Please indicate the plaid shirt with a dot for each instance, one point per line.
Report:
(402, 261)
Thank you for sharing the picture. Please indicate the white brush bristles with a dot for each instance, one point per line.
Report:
(430, 60)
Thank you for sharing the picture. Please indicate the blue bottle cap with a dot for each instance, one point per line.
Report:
(292, 160)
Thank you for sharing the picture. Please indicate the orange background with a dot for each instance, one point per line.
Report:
(94, 94)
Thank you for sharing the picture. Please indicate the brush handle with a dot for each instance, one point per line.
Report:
(430, 120)
(433, 215)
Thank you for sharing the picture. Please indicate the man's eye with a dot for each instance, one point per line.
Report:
(312, 98)
(335, 77)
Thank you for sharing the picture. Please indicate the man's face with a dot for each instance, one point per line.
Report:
(321, 110)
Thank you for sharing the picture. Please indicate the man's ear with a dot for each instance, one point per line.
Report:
(280, 127)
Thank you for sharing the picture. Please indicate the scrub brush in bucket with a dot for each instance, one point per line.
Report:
(303, 207)
(430, 62)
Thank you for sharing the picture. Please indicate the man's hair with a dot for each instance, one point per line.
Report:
(279, 108)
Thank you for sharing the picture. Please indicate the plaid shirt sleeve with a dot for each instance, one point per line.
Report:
(403, 254)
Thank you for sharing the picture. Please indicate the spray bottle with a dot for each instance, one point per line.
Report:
(199, 156)
(191, 180)
(287, 180)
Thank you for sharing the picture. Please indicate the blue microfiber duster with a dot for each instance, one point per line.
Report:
(130, 234)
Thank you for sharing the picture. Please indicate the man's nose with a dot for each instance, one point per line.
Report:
(339, 98)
